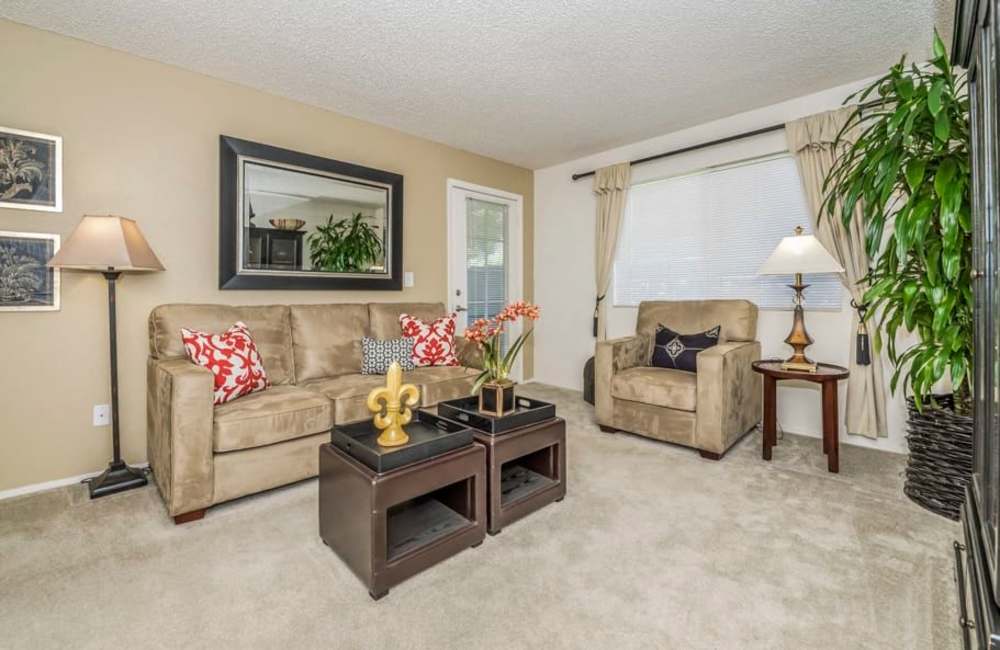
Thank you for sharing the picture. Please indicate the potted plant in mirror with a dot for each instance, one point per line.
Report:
(349, 245)
(495, 388)
(907, 176)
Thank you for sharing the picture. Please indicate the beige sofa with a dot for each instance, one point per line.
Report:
(202, 454)
(709, 410)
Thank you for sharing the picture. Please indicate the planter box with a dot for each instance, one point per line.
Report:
(939, 466)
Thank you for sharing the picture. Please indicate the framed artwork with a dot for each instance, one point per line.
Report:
(26, 284)
(291, 220)
(30, 170)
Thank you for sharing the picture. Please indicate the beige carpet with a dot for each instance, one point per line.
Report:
(652, 548)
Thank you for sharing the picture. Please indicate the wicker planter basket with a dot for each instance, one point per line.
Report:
(940, 462)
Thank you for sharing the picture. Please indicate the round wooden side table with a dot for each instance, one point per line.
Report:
(827, 375)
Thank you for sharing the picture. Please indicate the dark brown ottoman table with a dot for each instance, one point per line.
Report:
(391, 525)
(525, 463)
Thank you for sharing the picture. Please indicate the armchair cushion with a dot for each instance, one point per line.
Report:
(274, 415)
(673, 389)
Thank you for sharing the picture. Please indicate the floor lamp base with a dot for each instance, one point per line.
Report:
(118, 477)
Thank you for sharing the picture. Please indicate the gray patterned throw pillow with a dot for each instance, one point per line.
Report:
(378, 354)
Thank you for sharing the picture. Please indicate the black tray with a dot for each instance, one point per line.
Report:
(429, 434)
(465, 410)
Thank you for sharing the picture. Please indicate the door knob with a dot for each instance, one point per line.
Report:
(460, 308)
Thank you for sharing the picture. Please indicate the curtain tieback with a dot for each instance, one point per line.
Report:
(597, 306)
(863, 355)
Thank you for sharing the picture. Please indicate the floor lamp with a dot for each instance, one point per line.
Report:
(111, 246)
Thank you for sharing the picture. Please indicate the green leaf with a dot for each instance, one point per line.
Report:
(904, 86)
(910, 289)
(951, 261)
(939, 48)
(942, 126)
(934, 97)
(944, 176)
(915, 173)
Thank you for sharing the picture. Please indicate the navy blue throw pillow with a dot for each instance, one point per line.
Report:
(680, 351)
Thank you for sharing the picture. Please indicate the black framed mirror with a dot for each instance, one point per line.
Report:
(290, 220)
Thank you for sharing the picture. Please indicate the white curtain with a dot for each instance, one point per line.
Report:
(811, 140)
(611, 187)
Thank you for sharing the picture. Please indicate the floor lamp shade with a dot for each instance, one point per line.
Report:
(110, 245)
(794, 256)
(106, 243)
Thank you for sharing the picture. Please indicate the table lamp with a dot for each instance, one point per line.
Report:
(111, 246)
(796, 255)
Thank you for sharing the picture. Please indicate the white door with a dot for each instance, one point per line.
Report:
(484, 253)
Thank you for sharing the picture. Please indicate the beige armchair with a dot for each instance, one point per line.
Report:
(709, 410)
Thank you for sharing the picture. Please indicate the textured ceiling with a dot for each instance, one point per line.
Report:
(532, 82)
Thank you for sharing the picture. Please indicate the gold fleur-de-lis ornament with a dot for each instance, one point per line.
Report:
(396, 400)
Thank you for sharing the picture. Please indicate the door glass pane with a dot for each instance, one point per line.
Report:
(486, 257)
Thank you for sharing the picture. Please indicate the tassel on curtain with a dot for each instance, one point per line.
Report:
(863, 350)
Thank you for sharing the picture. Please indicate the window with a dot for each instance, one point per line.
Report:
(486, 261)
(704, 235)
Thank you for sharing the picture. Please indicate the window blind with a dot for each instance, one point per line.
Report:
(486, 251)
(705, 235)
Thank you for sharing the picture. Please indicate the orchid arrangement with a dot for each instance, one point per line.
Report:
(488, 333)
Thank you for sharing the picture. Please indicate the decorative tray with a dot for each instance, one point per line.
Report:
(465, 410)
(430, 436)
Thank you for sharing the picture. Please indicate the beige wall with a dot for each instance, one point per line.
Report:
(141, 139)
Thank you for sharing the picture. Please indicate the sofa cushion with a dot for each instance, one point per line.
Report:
(274, 415)
(349, 394)
(738, 318)
(439, 383)
(268, 324)
(326, 339)
(672, 389)
(384, 316)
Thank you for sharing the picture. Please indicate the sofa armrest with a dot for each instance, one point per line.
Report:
(729, 394)
(179, 418)
(468, 352)
(611, 357)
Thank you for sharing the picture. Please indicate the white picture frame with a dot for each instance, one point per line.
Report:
(33, 250)
(39, 185)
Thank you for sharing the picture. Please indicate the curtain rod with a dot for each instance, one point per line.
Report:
(712, 143)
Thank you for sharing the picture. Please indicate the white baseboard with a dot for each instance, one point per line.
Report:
(52, 485)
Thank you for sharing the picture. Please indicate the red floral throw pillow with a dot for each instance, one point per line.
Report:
(435, 341)
(233, 359)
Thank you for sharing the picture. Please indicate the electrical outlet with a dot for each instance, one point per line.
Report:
(102, 415)
(408, 278)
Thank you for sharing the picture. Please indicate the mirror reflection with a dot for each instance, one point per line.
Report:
(303, 220)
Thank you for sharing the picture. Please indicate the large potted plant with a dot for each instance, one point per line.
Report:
(495, 388)
(907, 174)
(349, 245)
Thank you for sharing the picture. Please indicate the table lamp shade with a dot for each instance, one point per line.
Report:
(800, 254)
(106, 243)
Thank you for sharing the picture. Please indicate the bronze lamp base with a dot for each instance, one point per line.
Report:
(799, 338)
